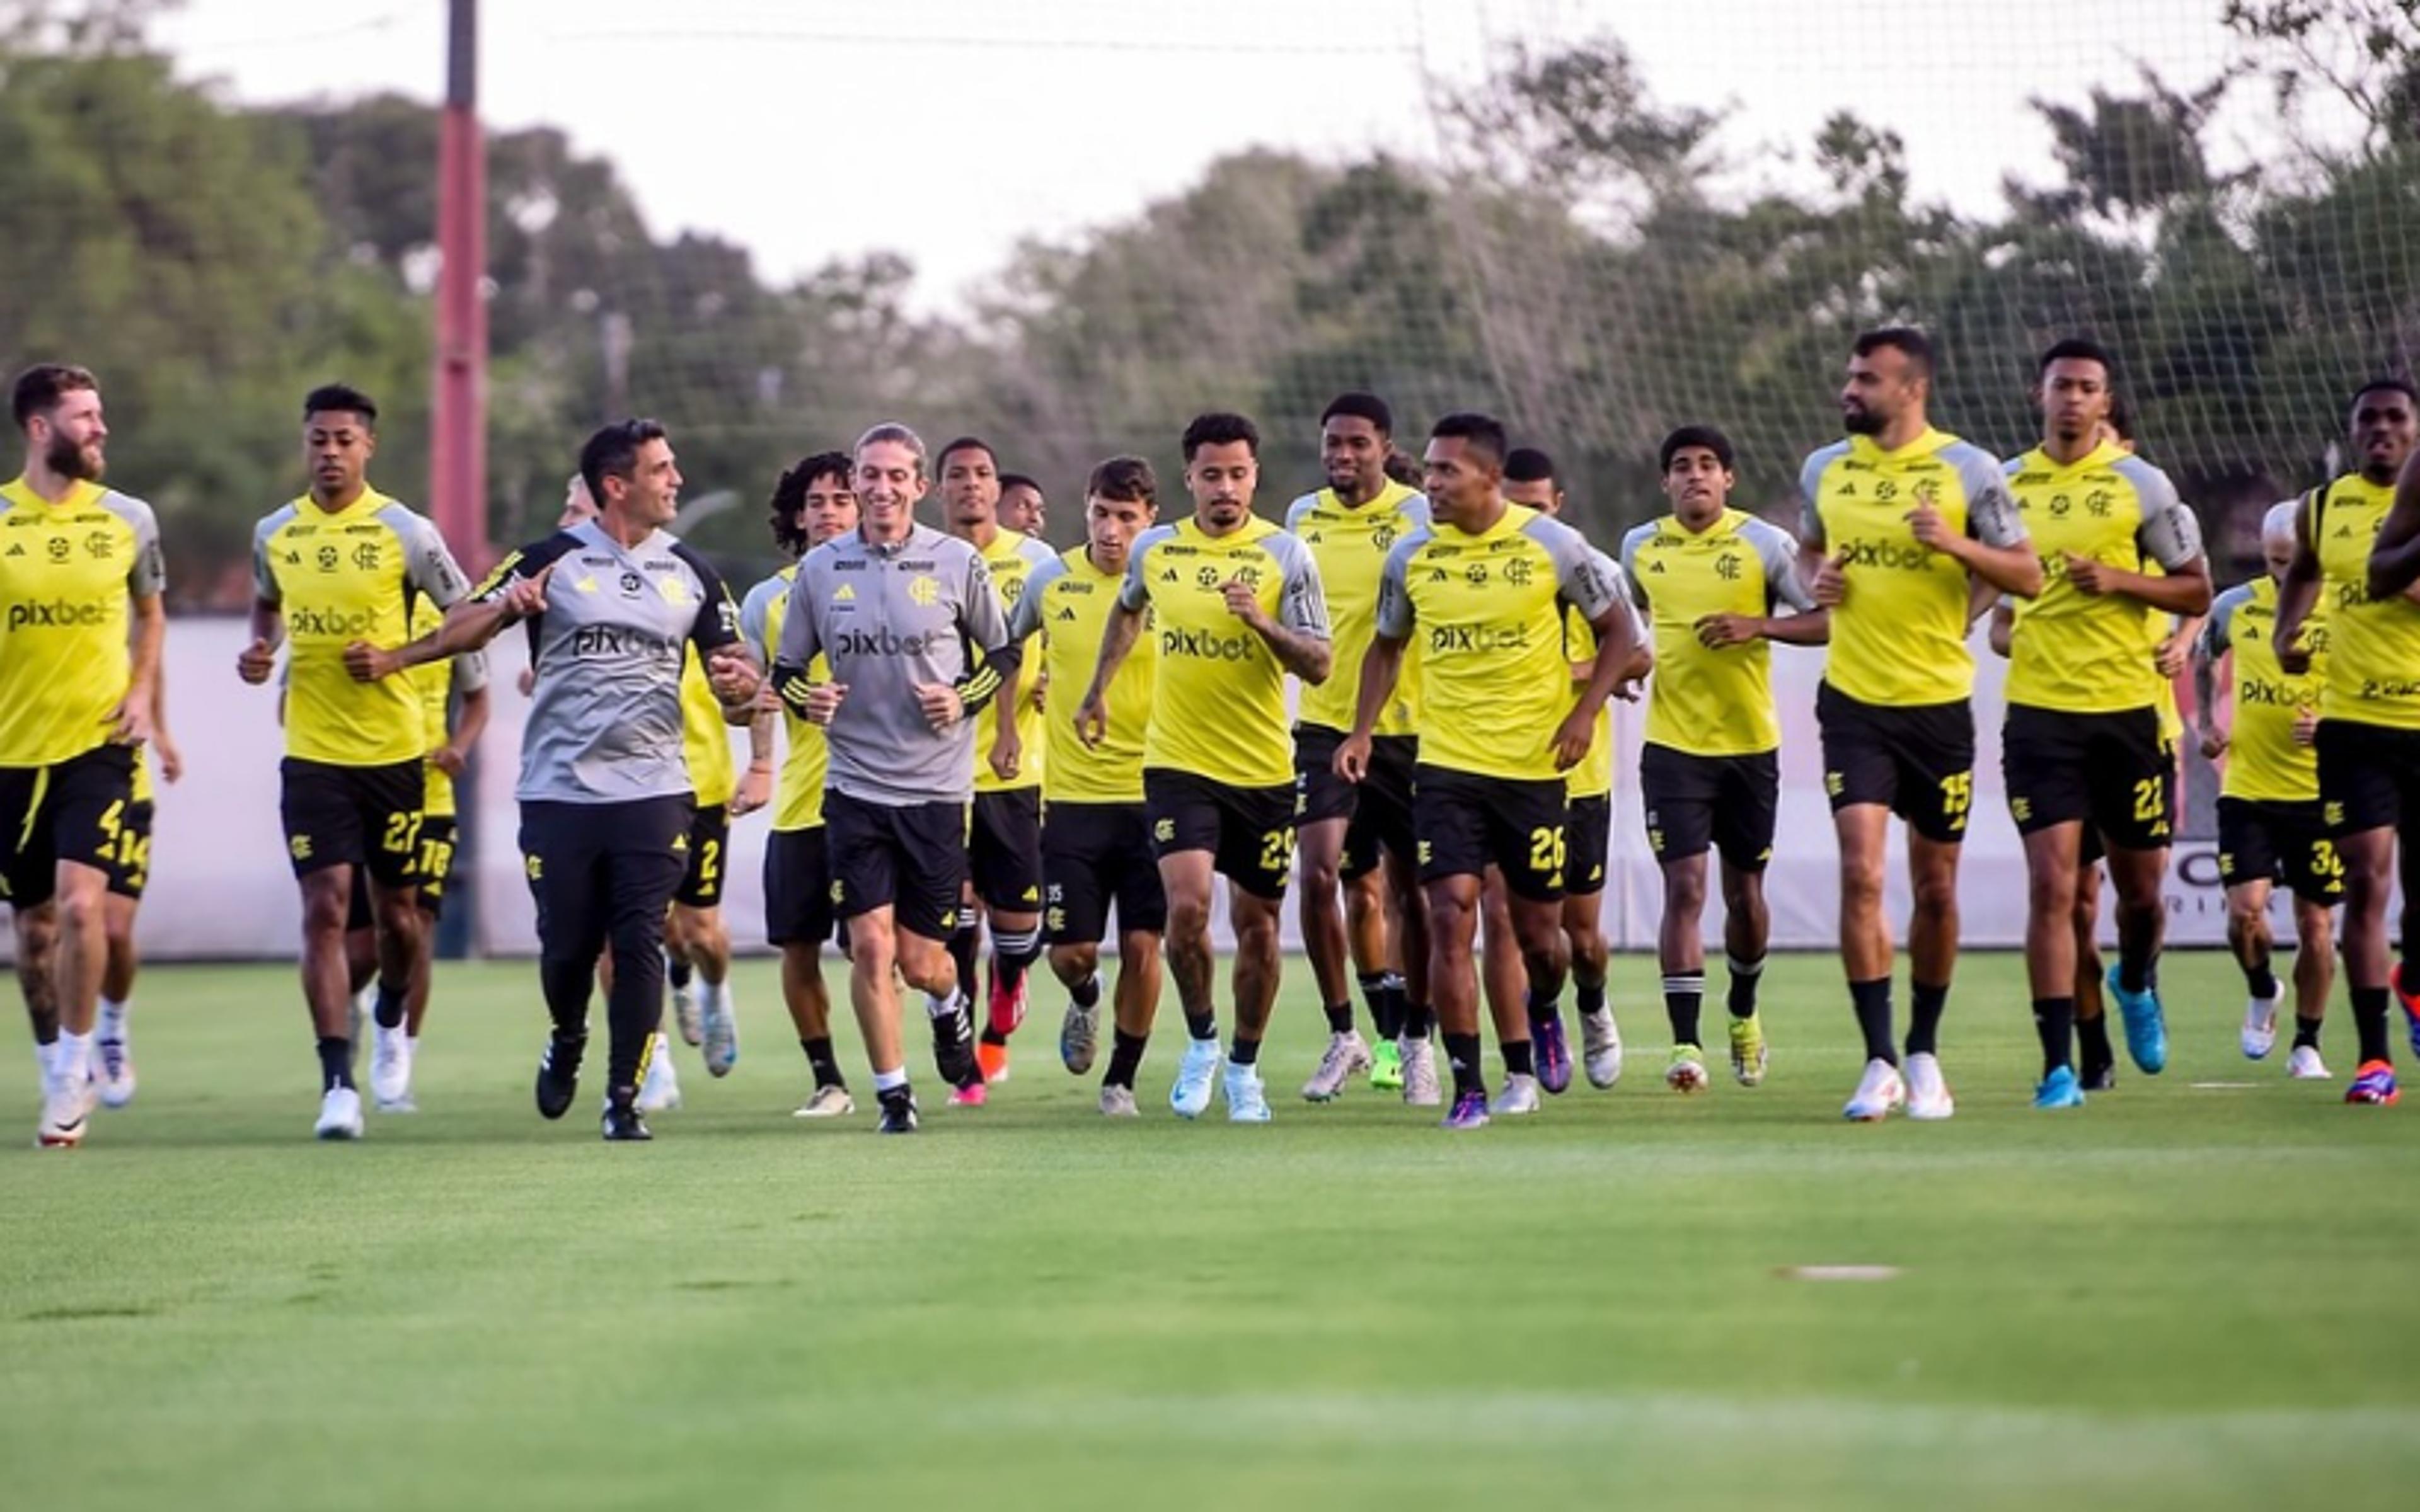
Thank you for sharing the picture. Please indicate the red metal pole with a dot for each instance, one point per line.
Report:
(457, 463)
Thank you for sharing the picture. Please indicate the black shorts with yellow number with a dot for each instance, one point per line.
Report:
(1918, 762)
(1094, 854)
(1728, 804)
(69, 811)
(798, 886)
(1587, 850)
(2265, 840)
(1469, 823)
(438, 833)
(1247, 831)
(710, 848)
(2369, 778)
(2110, 772)
(910, 858)
(364, 816)
(1378, 809)
(1004, 850)
(130, 858)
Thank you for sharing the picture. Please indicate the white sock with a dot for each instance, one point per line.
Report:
(884, 1081)
(71, 1059)
(113, 1020)
(46, 1055)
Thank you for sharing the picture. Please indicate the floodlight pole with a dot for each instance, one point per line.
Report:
(458, 461)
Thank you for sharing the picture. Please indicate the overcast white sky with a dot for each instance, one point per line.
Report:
(763, 121)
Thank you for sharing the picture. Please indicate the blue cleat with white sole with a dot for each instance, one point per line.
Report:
(2059, 1090)
(2147, 1027)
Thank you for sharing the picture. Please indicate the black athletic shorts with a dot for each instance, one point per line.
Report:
(1378, 809)
(364, 816)
(2287, 842)
(2111, 772)
(1469, 823)
(596, 869)
(1247, 831)
(1004, 850)
(709, 852)
(130, 858)
(69, 811)
(438, 834)
(1587, 851)
(2369, 778)
(1093, 855)
(1729, 803)
(1918, 762)
(798, 886)
(910, 858)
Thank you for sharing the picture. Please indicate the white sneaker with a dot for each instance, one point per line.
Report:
(659, 1089)
(341, 1115)
(1191, 1097)
(1248, 1101)
(1346, 1057)
(114, 1069)
(1420, 1088)
(67, 1112)
(2259, 1027)
(1519, 1096)
(827, 1102)
(1928, 1093)
(720, 1026)
(1119, 1103)
(390, 1067)
(687, 1016)
(1600, 1047)
(1879, 1091)
(2305, 1064)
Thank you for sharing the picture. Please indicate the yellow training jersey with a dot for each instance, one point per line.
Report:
(1593, 777)
(438, 682)
(1900, 636)
(2374, 645)
(1487, 610)
(1068, 602)
(706, 735)
(2070, 652)
(2263, 760)
(1014, 557)
(1219, 705)
(1712, 700)
(1350, 544)
(338, 576)
(799, 791)
(68, 573)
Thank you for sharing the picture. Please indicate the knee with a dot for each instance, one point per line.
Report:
(1685, 890)
(2247, 914)
(1936, 897)
(1072, 963)
(1189, 919)
(324, 912)
(872, 946)
(1256, 925)
(2050, 889)
(1861, 885)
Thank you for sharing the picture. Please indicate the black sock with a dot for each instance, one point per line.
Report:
(1589, 996)
(2092, 1039)
(1924, 1018)
(1125, 1059)
(2370, 1023)
(991, 1035)
(1243, 1052)
(1205, 1028)
(389, 1012)
(2054, 1021)
(1545, 1009)
(1390, 1008)
(1741, 995)
(962, 951)
(336, 1063)
(1087, 994)
(1013, 954)
(1462, 1056)
(677, 971)
(1340, 1017)
(1418, 1019)
(1872, 1001)
(1516, 1059)
(1373, 997)
(824, 1063)
(1684, 994)
(2133, 972)
(2307, 1032)
(2262, 983)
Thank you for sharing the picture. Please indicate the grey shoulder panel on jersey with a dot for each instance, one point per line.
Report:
(1778, 551)
(1586, 578)
(1394, 613)
(264, 583)
(148, 574)
(756, 613)
(1632, 539)
(1302, 599)
(1136, 591)
(1025, 615)
(1810, 477)
(2170, 534)
(428, 565)
(471, 672)
(1036, 551)
(1302, 506)
(2216, 628)
(1992, 514)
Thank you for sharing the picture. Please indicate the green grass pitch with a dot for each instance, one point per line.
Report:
(2187, 1297)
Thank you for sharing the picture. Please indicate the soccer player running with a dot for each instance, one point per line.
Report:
(1236, 605)
(2270, 827)
(2357, 549)
(81, 626)
(1096, 834)
(1347, 831)
(335, 576)
(613, 606)
(1900, 519)
(813, 502)
(899, 611)
(1005, 841)
(130, 873)
(1484, 585)
(1711, 579)
(2082, 743)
